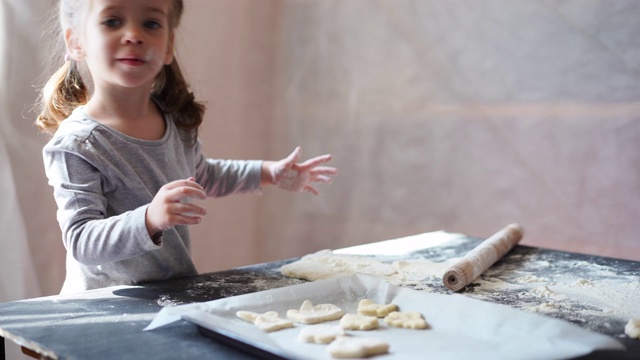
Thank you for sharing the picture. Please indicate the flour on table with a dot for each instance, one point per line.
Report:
(310, 314)
(320, 333)
(587, 292)
(165, 300)
(544, 308)
(347, 347)
(532, 279)
(419, 270)
(358, 322)
(545, 292)
(325, 264)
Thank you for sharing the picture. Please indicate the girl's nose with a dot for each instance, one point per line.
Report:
(132, 36)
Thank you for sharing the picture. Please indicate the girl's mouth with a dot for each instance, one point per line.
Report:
(131, 61)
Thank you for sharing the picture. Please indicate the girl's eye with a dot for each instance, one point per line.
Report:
(152, 24)
(111, 22)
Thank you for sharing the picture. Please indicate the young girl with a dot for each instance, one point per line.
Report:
(125, 161)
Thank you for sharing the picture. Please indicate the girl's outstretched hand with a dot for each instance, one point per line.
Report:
(171, 206)
(290, 175)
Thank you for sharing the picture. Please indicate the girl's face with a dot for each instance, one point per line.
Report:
(124, 43)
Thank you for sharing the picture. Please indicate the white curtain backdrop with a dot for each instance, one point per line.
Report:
(22, 226)
(461, 116)
(18, 42)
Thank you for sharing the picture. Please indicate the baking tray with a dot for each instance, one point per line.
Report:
(460, 327)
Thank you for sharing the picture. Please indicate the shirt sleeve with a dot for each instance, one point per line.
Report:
(224, 177)
(87, 232)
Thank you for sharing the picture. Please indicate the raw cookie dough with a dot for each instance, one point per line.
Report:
(358, 322)
(268, 321)
(368, 307)
(632, 329)
(320, 334)
(325, 264)
(346, 347)
(406, 319)
(309, 314)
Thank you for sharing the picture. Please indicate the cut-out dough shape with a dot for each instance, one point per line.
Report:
(268, 321)
(347, 347)
(320, 334)
(632, 329)
(358, 322)
(309, 314)
(368, 307)
(406, 319)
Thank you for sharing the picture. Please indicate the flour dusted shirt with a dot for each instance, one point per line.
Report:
(103, 182)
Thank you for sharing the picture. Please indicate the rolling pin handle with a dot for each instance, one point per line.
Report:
(482, 257)
(452, 280)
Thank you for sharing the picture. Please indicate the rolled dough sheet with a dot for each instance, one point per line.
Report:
(325, 264)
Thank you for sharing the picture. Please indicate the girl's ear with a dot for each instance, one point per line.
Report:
(168, 57)
(72, 42)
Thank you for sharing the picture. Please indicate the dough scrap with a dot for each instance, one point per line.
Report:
(358, 322)
(632, 329)
(406, 319)
(325, 264)
(368, 307)
(346, 347)
(269, 321)
(310, 314)
(320, 334)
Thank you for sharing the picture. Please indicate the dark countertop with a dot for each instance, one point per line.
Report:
(560, 269)
(107, 323)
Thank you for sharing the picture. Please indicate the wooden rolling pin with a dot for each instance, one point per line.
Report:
(482, 257)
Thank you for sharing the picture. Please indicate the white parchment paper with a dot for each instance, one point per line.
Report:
(460, 327)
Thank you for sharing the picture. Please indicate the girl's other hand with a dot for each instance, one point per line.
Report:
(290, 175)
(171, 206)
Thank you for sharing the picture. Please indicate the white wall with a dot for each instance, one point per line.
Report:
(463, 116)
(31, 259)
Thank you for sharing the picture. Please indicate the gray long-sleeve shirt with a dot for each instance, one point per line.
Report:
(103, 182)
